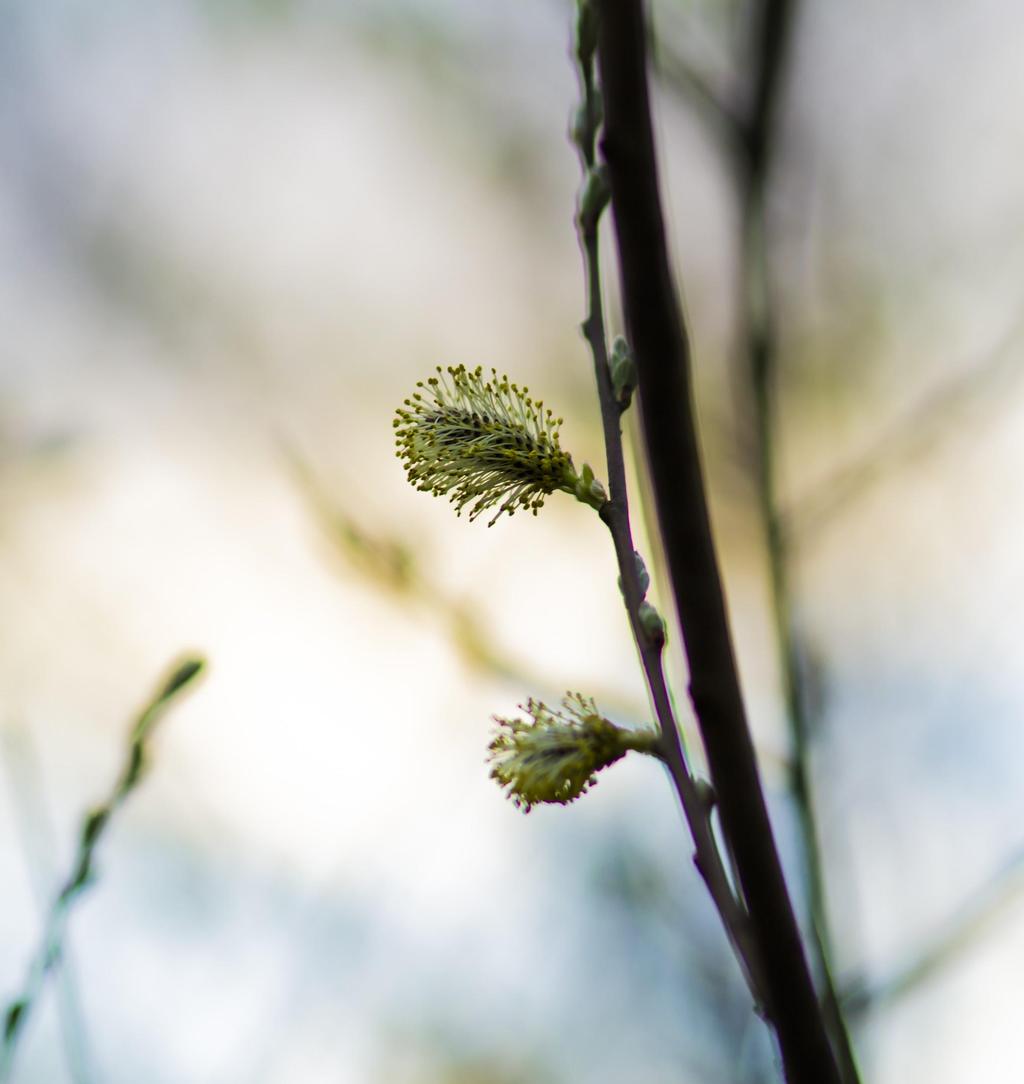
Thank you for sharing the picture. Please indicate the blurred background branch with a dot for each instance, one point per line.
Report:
(94, 825)
(770, 46)
(38, 841)
(977, 918)
(949, 411)
(388, 563)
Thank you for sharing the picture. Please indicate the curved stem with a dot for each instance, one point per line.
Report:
(38, 843)
(93, 828)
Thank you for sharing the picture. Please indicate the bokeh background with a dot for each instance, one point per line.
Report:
(234, 235)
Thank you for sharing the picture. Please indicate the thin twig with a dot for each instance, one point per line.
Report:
(660, 346)
(682, 76)
(911, 435)
(615, 514)
(964, 929)
(94, 824)
(389, 565)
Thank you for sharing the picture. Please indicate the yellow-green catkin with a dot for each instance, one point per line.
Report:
(555, 755)
(485, 444)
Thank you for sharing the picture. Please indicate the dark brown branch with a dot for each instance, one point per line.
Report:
(659, 343)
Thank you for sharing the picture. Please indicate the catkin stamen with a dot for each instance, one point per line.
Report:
(483, 443)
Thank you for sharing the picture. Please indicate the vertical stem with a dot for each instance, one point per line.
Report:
(662, 355)
(758, 132)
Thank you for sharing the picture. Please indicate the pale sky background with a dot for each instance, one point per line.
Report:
(231, 229)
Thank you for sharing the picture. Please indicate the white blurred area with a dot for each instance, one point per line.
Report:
(234, 234)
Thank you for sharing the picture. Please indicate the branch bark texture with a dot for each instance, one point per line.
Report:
(658, 338)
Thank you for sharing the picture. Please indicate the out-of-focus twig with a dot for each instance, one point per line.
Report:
(910, 436)
(388, 563)
(385, 561)
(683, 77)
(972, 921)
(93, 827)
(38, 843)
(759, 137)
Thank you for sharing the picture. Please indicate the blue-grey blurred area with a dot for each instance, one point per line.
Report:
(233, 234)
